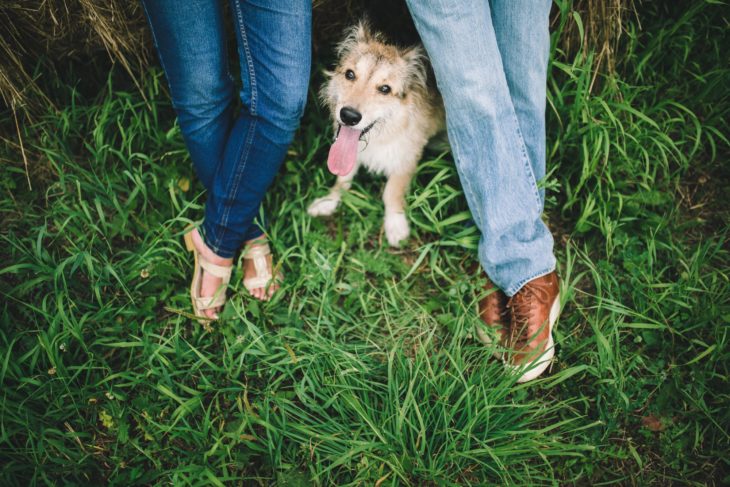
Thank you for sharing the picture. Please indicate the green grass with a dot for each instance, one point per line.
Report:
(363, 370)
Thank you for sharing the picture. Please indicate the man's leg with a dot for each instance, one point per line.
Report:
(523, 37)
(491, 156)
(497, 168)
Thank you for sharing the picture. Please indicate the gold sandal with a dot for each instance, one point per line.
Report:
(258, 251)
(201, 303)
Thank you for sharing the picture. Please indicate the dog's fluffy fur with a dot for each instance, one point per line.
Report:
(396, 125)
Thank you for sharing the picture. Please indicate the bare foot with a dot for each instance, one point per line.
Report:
(249, 270)
(209, 284)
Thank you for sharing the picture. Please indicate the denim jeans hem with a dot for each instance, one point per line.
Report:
(512, 290)
(217, 250)
(221, 252)
(254, 234)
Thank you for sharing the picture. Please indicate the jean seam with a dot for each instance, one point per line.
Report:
(242, 162)
(465, 182)
(521, 283)
(214, 240)
(526, 158)
(249, 58)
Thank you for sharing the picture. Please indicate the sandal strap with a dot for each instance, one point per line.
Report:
(261, 281)
(258, 253)
(263, 274)
(223, 272)
(256, 250)
(209, 302)
(257, 282)
(219, 298)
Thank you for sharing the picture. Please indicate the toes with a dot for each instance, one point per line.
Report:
(261, 293)
(272, 289)
(211, 313)
(264, 294)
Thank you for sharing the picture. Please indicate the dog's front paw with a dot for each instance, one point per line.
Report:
(396, 228)
(323, 206)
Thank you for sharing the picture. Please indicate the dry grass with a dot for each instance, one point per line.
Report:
(599, 30)
(38, 38)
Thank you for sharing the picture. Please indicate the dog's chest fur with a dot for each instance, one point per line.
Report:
(396, 146)
(391, 155)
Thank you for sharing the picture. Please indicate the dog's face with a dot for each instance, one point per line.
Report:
(372, 80)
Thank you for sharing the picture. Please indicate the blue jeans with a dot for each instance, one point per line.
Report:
(236, 155)
(490, 59)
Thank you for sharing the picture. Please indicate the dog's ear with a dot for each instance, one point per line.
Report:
(360, 33)
(417, 67)
(363, 32)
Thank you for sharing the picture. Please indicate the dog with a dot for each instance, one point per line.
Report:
(384, 111)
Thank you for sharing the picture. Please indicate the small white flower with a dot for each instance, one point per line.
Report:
(62, 347)
(110, 396)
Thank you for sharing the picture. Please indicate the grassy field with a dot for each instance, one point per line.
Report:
(364, 370)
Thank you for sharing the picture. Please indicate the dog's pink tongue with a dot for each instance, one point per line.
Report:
(343, 153)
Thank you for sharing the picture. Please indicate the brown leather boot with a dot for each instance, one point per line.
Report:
(493, 312)
(533, 312)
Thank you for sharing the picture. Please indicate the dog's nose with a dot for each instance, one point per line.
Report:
(350, 116)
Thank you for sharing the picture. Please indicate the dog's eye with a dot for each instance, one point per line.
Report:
(350, 74)
(384, 89)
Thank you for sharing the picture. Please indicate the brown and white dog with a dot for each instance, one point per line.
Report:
(384, 112)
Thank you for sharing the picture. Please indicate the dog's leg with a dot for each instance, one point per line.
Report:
(394, 197)
(327, 205)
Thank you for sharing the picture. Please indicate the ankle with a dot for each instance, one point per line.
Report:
(207, 253)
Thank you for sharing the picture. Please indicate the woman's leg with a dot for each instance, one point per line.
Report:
(274, 50)
(235, 159)
(274, 47)
(190, 42)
